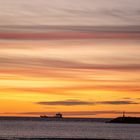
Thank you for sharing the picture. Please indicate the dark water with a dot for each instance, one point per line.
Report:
(28, 128)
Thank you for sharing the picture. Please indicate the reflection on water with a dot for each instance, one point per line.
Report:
(67, 129)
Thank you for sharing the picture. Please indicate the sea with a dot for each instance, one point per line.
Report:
(41, 128)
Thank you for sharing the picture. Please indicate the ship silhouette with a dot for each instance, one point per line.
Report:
(57, 115)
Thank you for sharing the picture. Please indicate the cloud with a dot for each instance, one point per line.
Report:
(118, 102)
(78, 102)
(54, 63)
(66, 103)
(69, 32)
(71, 12)
(67, 35)
(67, 90)
(67, 28)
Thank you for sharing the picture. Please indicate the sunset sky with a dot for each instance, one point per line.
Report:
(78, 57)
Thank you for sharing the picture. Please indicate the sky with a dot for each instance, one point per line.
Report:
(78, 57)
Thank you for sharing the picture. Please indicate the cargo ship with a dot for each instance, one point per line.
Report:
(58, 115)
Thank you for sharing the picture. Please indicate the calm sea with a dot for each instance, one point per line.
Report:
(37, 128)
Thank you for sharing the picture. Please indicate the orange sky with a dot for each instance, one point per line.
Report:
(80, 78)
(78, 57)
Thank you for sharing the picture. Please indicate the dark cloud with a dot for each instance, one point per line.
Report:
(66, 103)
(118, 102)
(78, 102)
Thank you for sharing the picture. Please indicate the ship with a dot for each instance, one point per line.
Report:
(57, 115)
